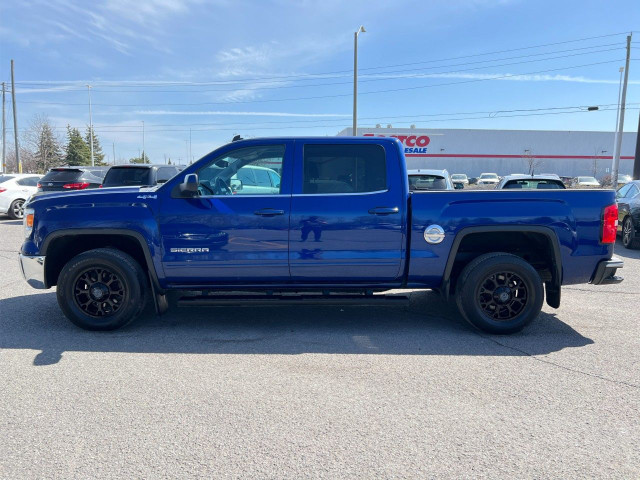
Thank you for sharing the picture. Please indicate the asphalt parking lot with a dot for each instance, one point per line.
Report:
(327, 392)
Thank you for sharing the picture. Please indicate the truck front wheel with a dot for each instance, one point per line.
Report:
(102, 289)
(499, 293)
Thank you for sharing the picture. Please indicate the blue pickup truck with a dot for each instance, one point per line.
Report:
(328, 219)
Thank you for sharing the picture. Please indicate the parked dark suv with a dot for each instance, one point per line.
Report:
(139, 175)
(71, 178)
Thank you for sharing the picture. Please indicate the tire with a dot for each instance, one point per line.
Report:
(499, 293)
(102, 289)
(16, 209)
(629, 237)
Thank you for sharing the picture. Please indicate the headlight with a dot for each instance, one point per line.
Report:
(28, 221)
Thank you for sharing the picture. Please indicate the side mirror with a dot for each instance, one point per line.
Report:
(189, 187)
(458, 186)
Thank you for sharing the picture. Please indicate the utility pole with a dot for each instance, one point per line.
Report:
(4, 133)
(616, 158)
(190, 157)
(143, 161)
(636, 162)
(354, 130)
(114, 152)
(615, 139)
(90, 125)
(15, 120)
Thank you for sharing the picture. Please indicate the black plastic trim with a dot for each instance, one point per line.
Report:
(556, 272)
(108, 231)
(606, 272)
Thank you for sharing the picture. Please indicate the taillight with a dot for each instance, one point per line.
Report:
(609, 224)
(76, 186)
(3, 190)
(39, 185)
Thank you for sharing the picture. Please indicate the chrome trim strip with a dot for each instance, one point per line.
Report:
(33, 270)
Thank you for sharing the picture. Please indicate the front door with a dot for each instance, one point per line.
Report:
(237, 229)
(347, 217)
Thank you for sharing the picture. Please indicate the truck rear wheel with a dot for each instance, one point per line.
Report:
(499, 293)
(102, 289)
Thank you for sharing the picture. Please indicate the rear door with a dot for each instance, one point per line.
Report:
(347, 213)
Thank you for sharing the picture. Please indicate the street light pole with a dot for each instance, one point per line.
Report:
(143, 160)
(90, 125)
(354, 131)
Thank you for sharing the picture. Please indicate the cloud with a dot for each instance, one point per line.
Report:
(251, 114)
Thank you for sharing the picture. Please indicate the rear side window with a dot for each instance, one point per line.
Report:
(63, 175)
(262, 178)
(28, 182)
(331, 169)
(633, 191)
(4, 178)
(165, 173)
(124, 176)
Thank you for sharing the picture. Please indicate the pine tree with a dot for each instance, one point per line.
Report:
(98, 155)
(77, 150)
(144, 158)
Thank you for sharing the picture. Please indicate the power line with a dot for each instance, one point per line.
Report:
(403, 72)
(378, 67)
(499, 77)
(410, 119)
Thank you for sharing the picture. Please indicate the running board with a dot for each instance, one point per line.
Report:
(261, 300)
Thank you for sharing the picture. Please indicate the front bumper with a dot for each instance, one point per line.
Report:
(606, 272)
(33, 270)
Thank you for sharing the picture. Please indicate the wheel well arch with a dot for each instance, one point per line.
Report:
(539, 246)
(61, 246)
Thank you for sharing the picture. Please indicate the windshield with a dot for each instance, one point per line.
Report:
(587, 179)
(122, 176)
(427, 182)
(488, 175)
(458, 176)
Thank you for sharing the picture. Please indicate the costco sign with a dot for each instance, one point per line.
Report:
(412, 143)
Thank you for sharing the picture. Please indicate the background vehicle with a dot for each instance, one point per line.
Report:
(585, 182)
(460, 178)
(488, 179)
(71, 178)
(425, 179)
(628, 200)
(538, 182)
(343, 220)
(256, 179)
(15, 189)
(139, 175)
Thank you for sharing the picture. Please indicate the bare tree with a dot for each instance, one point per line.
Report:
(42, 144)
(532, 163)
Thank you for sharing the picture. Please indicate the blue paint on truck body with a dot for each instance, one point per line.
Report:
(325, 240)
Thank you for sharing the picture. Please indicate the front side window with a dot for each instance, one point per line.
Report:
(244, 171)
(329, 169)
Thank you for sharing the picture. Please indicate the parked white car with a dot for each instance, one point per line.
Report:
(429, 179)
(460, 178)
(15, 189)
(585, 182)
(488, 179)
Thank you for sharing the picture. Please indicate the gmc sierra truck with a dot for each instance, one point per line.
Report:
(314, 220)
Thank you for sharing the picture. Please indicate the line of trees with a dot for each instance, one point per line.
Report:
(42, 148)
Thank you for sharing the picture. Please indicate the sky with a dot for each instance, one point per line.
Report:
(198, 72)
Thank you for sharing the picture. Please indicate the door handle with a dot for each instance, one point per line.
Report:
(268, 212)
(383, 210)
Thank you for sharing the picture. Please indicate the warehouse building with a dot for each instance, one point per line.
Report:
(567, 153)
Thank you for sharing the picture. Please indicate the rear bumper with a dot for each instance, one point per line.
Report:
(33, 270)
(606, 272)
